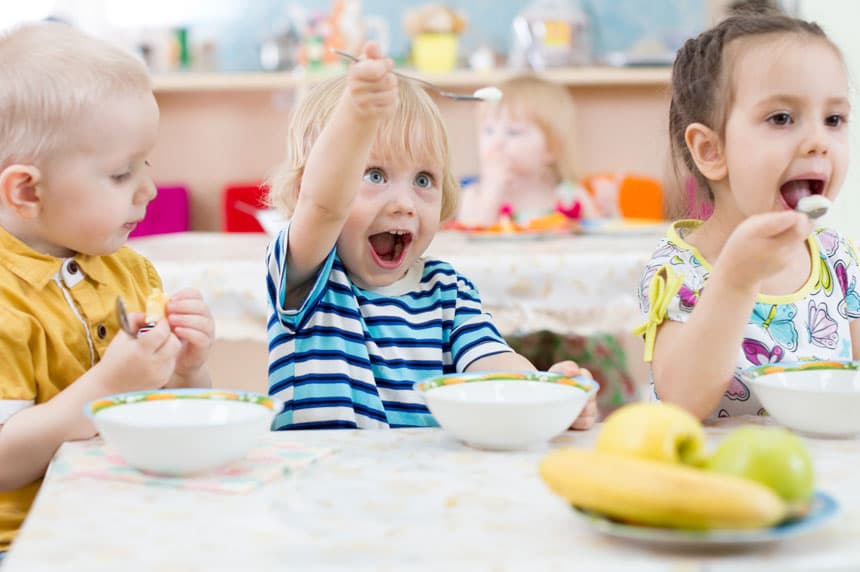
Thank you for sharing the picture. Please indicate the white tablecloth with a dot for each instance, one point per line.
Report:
(405, 499)
(576, 285)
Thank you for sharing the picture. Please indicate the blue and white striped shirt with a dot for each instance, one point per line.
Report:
(348, 357)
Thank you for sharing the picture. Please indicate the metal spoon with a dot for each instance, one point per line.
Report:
(123, 318)
(431, 86)
(814, 206)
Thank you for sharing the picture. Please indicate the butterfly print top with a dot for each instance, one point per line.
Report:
(810, 324)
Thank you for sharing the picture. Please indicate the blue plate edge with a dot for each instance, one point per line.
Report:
(825, 508)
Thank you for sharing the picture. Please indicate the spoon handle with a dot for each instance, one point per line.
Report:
(424, 82)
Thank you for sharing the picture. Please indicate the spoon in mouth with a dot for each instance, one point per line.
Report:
(814, 206)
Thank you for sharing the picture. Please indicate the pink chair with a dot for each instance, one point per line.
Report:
(168, 212)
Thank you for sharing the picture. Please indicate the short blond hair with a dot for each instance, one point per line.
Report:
(550, 106)
(416, 129)
(49, 73)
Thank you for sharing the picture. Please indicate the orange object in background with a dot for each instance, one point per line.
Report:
(240, 203)
(629, 196)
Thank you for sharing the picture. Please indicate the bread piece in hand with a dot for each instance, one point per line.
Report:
(156, 306)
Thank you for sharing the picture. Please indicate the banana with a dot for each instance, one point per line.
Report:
(657, 493)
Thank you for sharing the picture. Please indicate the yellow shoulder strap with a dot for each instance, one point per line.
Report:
(664, 286)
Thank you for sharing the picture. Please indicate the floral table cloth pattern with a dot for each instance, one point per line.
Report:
(405, 499)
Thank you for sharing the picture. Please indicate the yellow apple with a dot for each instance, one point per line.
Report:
(657, 431)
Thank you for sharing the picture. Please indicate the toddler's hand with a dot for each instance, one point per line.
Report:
(589, 414)
(191, 321)
(142, 363)
(761, 246)
(371, 87)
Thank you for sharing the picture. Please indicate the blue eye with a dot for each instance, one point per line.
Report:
(374, 176)
(424, 180)
(781, 118)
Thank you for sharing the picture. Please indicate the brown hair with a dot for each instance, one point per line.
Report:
(416, 129)
(550, 106)
(701, 90)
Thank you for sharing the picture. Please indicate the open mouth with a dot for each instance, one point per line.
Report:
(389, 248)
(793, 191)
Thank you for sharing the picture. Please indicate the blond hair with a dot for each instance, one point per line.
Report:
(49, 73)
(550, 106)
(415, 129)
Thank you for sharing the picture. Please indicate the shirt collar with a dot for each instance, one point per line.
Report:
(37, 268)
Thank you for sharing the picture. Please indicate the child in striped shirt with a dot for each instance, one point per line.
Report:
(358, 315)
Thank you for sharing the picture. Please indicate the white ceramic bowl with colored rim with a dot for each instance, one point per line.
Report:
(818, 397)
(506, 410)
(183, 431)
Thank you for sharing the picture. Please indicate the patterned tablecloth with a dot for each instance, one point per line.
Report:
(576, 285)
(391, 500)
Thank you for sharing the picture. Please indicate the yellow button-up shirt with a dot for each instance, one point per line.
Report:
(57, 318)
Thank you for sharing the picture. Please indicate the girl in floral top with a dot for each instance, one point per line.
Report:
(758, 114)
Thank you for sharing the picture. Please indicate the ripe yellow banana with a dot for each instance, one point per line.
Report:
(661, 494)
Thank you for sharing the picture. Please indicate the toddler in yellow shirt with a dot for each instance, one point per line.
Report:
(78, 119)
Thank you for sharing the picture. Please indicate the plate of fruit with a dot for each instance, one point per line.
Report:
(650, 479)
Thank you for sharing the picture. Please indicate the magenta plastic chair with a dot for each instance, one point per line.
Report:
(168, 212)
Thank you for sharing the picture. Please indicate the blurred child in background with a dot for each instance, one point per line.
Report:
(527, 158)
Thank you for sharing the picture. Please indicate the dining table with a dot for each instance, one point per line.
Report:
(405, 499)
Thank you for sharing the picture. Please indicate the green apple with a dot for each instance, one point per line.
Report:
(773, 456)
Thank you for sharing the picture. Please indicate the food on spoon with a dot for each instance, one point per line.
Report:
(814, 205)
(489, 94)
(156, 306)
(655, 493)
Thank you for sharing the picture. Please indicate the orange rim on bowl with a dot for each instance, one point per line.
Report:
(586, 384)
(788, 367)
(97, 405)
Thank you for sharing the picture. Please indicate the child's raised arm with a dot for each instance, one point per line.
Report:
(336, 163)
(693, 363)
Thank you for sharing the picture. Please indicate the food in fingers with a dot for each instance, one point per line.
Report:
(156, 306)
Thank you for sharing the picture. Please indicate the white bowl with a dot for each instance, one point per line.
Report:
(820, 397)
(184, 431)
(506, 410)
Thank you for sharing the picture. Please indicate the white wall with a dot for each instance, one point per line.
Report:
(839, 19)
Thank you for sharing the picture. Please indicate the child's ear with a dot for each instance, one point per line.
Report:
(19, 190)
(707, 151)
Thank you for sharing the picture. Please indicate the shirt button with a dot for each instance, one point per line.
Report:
(72, 267)
(101, 331)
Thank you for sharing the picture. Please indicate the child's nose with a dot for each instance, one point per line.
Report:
(817, 141)
(146, 191)
(402, 203)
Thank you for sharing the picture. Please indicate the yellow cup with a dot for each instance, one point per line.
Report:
(435, 53)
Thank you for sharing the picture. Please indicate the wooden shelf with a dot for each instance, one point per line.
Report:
(583, 76)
